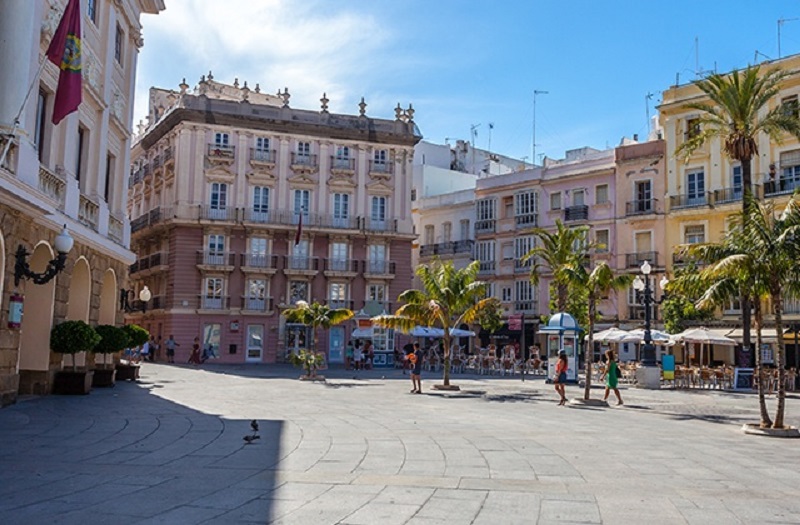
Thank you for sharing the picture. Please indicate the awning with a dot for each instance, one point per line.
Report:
(767, 334)
(362, 333)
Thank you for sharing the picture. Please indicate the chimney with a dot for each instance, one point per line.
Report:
(636, 137)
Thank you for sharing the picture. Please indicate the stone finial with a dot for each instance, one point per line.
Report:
(362, 107)
(257, 89)
(324, 100)
(236, 82)
(210, 76)
(398, 112)
(141, 127)
(184, 86)
(410, 112)
(203, 79)
(285, 96)
(245, 91)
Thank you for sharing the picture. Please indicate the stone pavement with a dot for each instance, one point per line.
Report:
(364, 451)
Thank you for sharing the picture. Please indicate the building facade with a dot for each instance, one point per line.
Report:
(71, 174)
(241, 206)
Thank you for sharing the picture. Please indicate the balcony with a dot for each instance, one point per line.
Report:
(258, 261)
(528, 307)
(260, 215)
(636, 312)
(576, 213)
(211, 212)
(341, 267)
(340, 303)
(522, 267)
(487, 267)
(52, 185)
(133, 268)
(727, 195)
(379, 268)
(115, 229)
(221, 153)
(635, 260)
(380, 225)
(780, 187)
(640, 207)
(303, 163)
(216, 259)
(378, 168)
(88, 212)
(257, 304)
(262, 157)
(300, 264)
(694, 200)
(343, 164)
(527, 221)
(447, 248)
(214, 302)
(485, 226)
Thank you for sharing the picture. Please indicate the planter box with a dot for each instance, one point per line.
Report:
(104, 377)
(73, 383)
(127, 372)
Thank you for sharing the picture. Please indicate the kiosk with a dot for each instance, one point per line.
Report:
(562, 333)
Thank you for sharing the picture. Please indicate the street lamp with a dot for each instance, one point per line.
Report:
(22, 270)
(124, 301)
(643, 286)
(144, 296)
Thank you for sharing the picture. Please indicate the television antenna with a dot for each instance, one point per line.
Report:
(533, 141)
(782, 21)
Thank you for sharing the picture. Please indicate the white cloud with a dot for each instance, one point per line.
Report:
(304, 46)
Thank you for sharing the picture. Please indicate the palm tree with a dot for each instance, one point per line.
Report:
(316, 316)
(735, 115)
(449, 298)
(555, 252)
(598, 284)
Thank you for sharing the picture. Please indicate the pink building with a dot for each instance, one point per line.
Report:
(220, 183)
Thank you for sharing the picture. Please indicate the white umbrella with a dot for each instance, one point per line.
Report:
(426, 331)
(610, 335)
(637, 336)
(703, 336)
(458, 332)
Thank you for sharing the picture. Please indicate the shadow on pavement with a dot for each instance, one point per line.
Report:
(123, 455)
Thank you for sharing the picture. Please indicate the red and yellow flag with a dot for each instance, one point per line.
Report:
(65, 52)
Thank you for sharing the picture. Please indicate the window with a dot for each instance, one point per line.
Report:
(341, 209)
(508, 207)
(378, 210)
(790, 107)
(256, 295)
(578, 197)
(644, 196)
(526, 208)
(485, 209)
(508, 294)
(304, 149)
(119, 39)
(302, 202)
(218, 202)
(694, 234)
(262, 144)
(260, 204)
(429, 234)
(337, 295)
(222, 140)
(299, 260)
(643, 242)
(377, 258)
(696, 187)
(342, 158)
(692, 128)
(83, 145)
(380, 160)
(376, 292)
(484, 252)
(465, 231)
(258, 252)
(447, 229)
(262, 152)
(212, 297)
(339, 255)
(216, 249)
(522, 245)
(41, 124)
(91, 10)
(298, 291)
(525, 296)
(555, 201)
(110, 162)
(790, 171)
(601, 194)
(736, 180)
(602, 239)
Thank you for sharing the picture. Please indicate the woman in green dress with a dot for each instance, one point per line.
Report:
(612, 375)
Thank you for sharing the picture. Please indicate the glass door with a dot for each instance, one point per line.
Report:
(336, 345)
(255, 343)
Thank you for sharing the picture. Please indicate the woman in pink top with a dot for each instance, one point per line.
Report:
(561, 376)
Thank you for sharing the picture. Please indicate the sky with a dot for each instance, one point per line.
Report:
(469, 64)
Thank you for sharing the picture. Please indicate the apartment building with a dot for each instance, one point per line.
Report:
(69, 174)
(242, 205)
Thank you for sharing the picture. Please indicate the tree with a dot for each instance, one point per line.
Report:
(316, 316)
(113, 340)
(137, 335)
(597, 284)
(555, 252)
(73, 337)
(449, 298)
(736, 116)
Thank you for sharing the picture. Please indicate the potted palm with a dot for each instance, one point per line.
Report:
(114, 339)
(316, 316)
(72, 337)
(137, 336)
(309, 361)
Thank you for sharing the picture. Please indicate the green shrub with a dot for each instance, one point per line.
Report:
(72, 337)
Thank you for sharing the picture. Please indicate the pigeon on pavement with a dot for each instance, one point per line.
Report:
(254, 425)
(250, 439)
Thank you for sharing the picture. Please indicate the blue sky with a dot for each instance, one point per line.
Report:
(464, 63)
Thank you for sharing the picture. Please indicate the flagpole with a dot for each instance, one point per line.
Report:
(14, 129)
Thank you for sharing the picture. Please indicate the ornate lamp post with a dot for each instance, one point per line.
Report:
(22, 269)
(649, 379)
(144, 296)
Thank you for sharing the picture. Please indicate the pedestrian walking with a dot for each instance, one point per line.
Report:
(416, 371)
(369, 355)
(195, 357)
(170, 344)
(144, 353)
(611, 375)
(560, 379)
(358, 355)
(154, 347)
(348, 355)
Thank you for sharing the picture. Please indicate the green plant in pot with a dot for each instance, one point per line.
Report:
(72, 337)
(309, 361)
(114, 339)
(137, 336)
